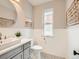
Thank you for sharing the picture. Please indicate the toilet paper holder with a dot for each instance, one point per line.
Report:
(75, 52)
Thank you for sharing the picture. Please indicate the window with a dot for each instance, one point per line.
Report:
(48, 23)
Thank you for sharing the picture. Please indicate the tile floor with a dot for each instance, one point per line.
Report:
(49, 56)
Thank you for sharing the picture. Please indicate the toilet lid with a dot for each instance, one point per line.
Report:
(37, 47)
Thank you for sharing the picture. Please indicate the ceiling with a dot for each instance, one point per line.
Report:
(38, 2)
(33, 2)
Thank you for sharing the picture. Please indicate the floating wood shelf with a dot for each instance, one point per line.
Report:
(73, 14)
(6, 22)
(28, 22)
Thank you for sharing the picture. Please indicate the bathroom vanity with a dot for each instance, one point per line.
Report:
(18, 51)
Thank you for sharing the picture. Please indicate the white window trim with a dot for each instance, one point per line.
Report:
(43, 25)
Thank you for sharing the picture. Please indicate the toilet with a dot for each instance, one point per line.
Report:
(36, 50)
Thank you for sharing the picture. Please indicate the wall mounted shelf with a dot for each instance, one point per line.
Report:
(4, 22)
(73, 14)
(28, 22)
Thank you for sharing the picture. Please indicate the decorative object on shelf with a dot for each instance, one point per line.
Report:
(72, 14)
(18, 34)
(28, 22)
(4, 22)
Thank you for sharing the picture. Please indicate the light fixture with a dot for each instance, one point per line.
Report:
(17, 0)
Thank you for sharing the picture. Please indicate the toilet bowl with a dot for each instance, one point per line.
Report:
(36, 50)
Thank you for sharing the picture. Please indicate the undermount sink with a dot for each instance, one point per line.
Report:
(6, 43)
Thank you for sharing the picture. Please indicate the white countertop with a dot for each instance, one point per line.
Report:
(23, 41)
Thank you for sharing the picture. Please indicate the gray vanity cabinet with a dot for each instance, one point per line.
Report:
(21, 52)
(15, 52)
(27, 53)
(3, 56)
(19, 56)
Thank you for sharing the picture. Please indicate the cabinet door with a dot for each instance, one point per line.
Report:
(3, 56)
(12, 53)
(19, 56)
(27, 53)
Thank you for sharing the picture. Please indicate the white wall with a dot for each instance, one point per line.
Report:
(24, 11)
(27, 8)
(7, 10)
(73, 36)
(59, 14)
(7, 13)
(7, 4)
(57, 45)
(10, 32)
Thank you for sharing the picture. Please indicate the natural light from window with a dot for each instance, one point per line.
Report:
(48, 22)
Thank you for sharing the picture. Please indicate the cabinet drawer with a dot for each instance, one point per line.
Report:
(28, 44)
(14, 52)
(19, 56)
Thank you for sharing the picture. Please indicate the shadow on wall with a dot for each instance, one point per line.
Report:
(20, 15)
